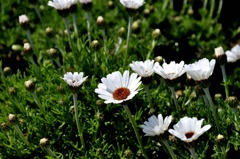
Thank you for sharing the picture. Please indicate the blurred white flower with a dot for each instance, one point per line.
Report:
(62, 4)
(200, 70)
(74, 79)
(234, 54)
(143, 69)
(117, 87)
(85, 1)
(132, 4)
(169, 71)
(156, 125)
(23, 19)
(219, 51)
(189, 129)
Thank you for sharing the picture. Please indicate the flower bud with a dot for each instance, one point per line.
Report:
(27, 47)
(4, 126)
(99, 116)
(146, 12)
(16, 47)
(11, 90)
(220, 55)
(128, 153)
(232, 101)
(7, 70)
(61, 101)
(52, 52)
(72, 109)
(60, 88)
(135, 25)
(159, 59)
(44, 142)
(12, 118)
(24, 21)
(49, 32)
(220, 137)
(217, 96)
(95, 44)
(29, 85)
(99, 102)
(156, 33)
(121, 31)
(100, 22)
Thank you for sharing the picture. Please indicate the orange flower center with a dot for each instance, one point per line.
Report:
(189, 134)
(121, 93)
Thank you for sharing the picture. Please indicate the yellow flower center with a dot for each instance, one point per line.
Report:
(121, 93)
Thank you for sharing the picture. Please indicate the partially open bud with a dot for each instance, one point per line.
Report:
(29, 85)
(24, 21)
(100, 22)
(7, 70)
(220, 55)
(44, 142)
(110, 4)
(220, 137)
(4, 126)
(12, 118)
(86, 4)
(72, 109)
(27, 47)
(156, 33)
(100, 116)
(128, 153)
(159, 59)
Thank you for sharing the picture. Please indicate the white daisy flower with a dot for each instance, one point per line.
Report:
(189, 129)
(74, 79)
(200, 70)
(132, 4)
(23, 19)
(117, 87)
(143, 69)
(234, 54)
(169, 71)
(85, 1)
(62, 4)
(156, 125)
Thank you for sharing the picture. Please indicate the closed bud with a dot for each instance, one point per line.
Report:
(49, 32)
(128, 153)
(100, 116)
(4, 126)
(16, 47)
(24, 21)
(44, 142)
(190, 11)
(27, 47)
(7, 70)
(110, 4)
(12, 118)
(121, 31)
(29, 85)
(146, 12)
(52, 52)
(72, 109)
(217, 96)
(156, 33)
(220, 55)
(220, 137)
(136, 24)
(159, 59)
(99, 102)
(11, 90)
(232, 101)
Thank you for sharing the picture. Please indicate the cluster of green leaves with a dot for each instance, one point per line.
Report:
(106, 129)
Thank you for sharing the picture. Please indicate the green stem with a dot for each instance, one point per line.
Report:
(212, 107)
(193, 153)
(77, 120)
(152, 47)
(104, 39)
(29, 36)
(134, 125)
(88, 27)
(225, 80)
(212, 3)
(118, 45)
(74, 17)
(130, 21)
(34, 94)
(50, 152)
(16, 127)
(207, 105)
(68, 32)
(148, 94)
(175, 101)
(170, 150)
(38, 13)
(220, 4)
(184, 7)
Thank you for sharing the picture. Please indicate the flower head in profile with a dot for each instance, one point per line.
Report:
(200, 70)
(189, 129)
(62, 4)
(117, 87)
(85, 1)
(234, 54)
(132, 4)
(74, 80)
(156, 125)
(143, 69)
(169, 71)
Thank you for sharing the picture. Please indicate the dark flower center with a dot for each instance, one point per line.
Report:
(121, 93)
(189, 134)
